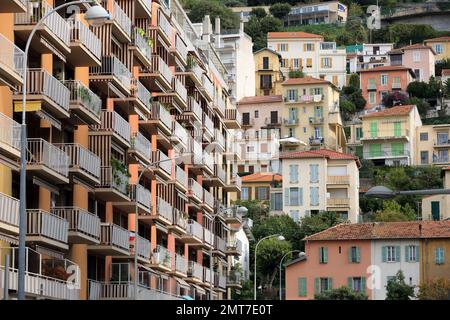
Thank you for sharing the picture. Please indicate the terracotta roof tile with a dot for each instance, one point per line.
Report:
(394, 111)
(447, 38)
(260, 99)
(304, 80)
(292, 35)
(262, 177)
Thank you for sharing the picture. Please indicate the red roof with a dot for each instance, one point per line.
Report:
(292, 35)
(304, 80)
(260, 99)
(321, 153)
(414, 47)
(394, 111)
(447, 38)
(385, 230)
(262, 177)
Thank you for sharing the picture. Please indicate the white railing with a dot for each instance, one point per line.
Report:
(195, 189)
(196, 149)
(220, 104)
(159, 112)
(209, 87)
(208, 236)
(80, 220)
(122, 19)
(236, 180)
(159, 65)
(179, 218)
(9, 132)
(219, 138)
(194, 229)
(208, 160)
(197, 71)
(180, 263)
(162, 161)
(41, 152)
(208, 198)
(195, 270)
(80, 32)
(142, 93)
(142, 43)
(181, 176)
(81, 158)
(141, 144)
(206, 274)
(11, 55)
(179, 89)
(180, 132)
(46, 224)
(208, 124)
(9, 210)
(143, 249)
(113, 235)
(142, 195)
(112, 66)
(194, 106)
(220, 244)
(112, 121)
(164, 24)
(164, 209)
(81, 94)
(57, 24)
(219, 173)
(222, 281)
(181, 48)
(116, 179)
(162, 256)
(235, 245)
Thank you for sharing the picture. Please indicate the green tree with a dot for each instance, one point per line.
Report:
(418, 89)
(393, 211)
(296, 74)
(280, 10)
(347, 109)
(422, 105)
(200, 8)
(436, 289)
(319, 222)
(342, 293)
(246, 292)
(443, 64)
(258, 13)
(257, 209)
(283, 224)
(447, 88)
(354, 81)
(398, 289)
(258, 28)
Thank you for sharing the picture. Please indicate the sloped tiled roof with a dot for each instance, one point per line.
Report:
(446, 38)
(394, 111)
(262, 177)
(292, 35)
(260, 99)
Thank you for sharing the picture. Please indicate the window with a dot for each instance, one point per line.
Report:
(256, 114)
(354, 255)
(309, 62)
(246, 118)
(262, 193)
(250, 148)
(391, 253)
(283, 47)
(424, 136)
(296, 64)
(373, 129)
(323, 255)
(359, 133)
(245, 193)
(302, 289)
(383, 94)
(442, 156)
(284, 63)
(416, 56)
(372, 97)
(322, 284)
(417, 73)
(265, 81)
(314, 196)
(251, 169)
(424, 157)
(276, 203)
(439, 255)
(293, 173)
(397, 149)
(265, 63)
(264, 167)
(442, 138)
(292, 94)
(396, 83)
(357, 284)
(384, 79)
(371, 83)
(295, 215)
(412, 253)
(314, 173)
(438, 48)
(308, 47)
(293, 196)
(314, 91)
(291, 132)
(327, 62)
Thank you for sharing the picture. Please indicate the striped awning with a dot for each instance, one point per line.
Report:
(10, 239)
(182, 283)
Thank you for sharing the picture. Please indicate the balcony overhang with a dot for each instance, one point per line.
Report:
(109, 250)
(110, 194)
(81, 115)
(8, 76)
(82, 238)
(46, 173)
(81, 56)
(13, 6)
(36, 102)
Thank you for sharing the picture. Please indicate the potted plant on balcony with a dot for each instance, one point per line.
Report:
(191, 63)
(84, 94)
(119, 170)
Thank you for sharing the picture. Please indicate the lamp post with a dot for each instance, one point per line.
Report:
(95, 16)
(279, 237)
(281, 264)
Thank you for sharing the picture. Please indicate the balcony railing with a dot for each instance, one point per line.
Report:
(386, 154)
(141, 144)
(55, 23)
(162, 256)
(180, 263)
(141, 195)
(208, 124)
(80, 220)
(113, 235)
(195, 270)
(195, 188)
(181, 48)
(208, 236)
(338, 179)
(112, 121)
(180, 132)
(219, 138)
(46, 224)
(121, 18)
(194, 107)
(220, 104)
(165, 25)
(110, 178)
(236, 180)
(9, 210)
(234, 278)
(196, 70)
(160, 66)
(338, 202)
(159, 112)
(196, 150)
(219, 173)
(141, 92)
(291, 121)
(143, 249)
(142, 43)
(235, 245)
(233, 114)
(181, 176)
(40, 82)
(81, 94)
(179, 218)
(179, 89)
(220, 244)
(385, 134)
(41, 152)
(208, 160)
(194, 229)
(316, 120)
(81, 158)
(441, 159)
(221, 281)
(273, 121)
(11, 55)
(112, 66)
(208, 85)
(206, 274)
(164, 209)
(162, 161)
(80, 32)
(445, 142)
(9, 132)
(248, 122)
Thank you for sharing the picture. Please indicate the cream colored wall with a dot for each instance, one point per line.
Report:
(446, 49)
(427, 145)
(444, 206)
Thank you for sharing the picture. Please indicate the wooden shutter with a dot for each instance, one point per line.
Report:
(384, 253)
(286, 196)
(291, 63)
(417, 253)
(350, 260)
(321, 62)
(304, 47)
(313, 46)
(358, 254)
(397, 253)
(287, 46)
(350, 282)
(331, 62)
(407, 254)
(278, 47)
(302, 287)
(300, 196)
(330, 283)
(317, 285)
(363, 284)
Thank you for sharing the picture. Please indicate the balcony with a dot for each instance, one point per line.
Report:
(114, 241)
(84, 227)
(121, 23)
(141, 45)
(234, 183)
(143, 250)
(207, 276)
(11, 63)
(316, 120)
(14, 6)
(234, 247)
(114, 125)
(164, 28)
(273, 122)
(44, 92)
(208, 237)
(82, 162)
(163, 164)
(179, 135)
(208, 201)
(85, 47)
(264, 67)
(181, 178)
(219, 106)
(180, 265)
(232, 119)
(338, 202)
(385, 154)
(208, 88)
(208, 125)
(180, 50)
(218, 178)
(179, 223)
(196, 155)
(143, 8)
(162, 259)
(195, 190)
(9, 137)
(315, 98)
(442, 142)
(164, 212)
(338, 180)
(44, 278)
(220, 139)
(232, 216)
(316, 141)
(440, 160)
(208, 162)
(291, 121)
(194, 72)
(141, 197)
(193, 112)
(195, 272)
(46, 228)
(112, 71)
(372, 135)
(179, 93)
(220, 282)
(142, 98)
(158, 75)
(234, 280)
(219, 246)
(141, 148)
(160, 123)
(47, 161)
(9, 214)
(194, 233)
(84, 103)
(114, 185)
(54, 33)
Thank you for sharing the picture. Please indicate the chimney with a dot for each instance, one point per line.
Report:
(217, 38)
(207, 28)
(217, 25)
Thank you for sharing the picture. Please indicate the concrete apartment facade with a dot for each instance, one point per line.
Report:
(441, 46)
(367, 56)
(417, 57)
(317, 13)
(104, 103)
(320, 180)
(309, 53)
(268, 75)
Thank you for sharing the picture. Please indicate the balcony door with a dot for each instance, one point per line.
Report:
(273, 117)
(435, 210)
(246, 118)
(442, 137)
(265, 63)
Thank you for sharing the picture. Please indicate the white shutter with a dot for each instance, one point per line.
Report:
(337, 171)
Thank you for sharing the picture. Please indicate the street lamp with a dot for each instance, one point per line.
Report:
(383, 192)
(279, 237)
(281, 264)
(96, 16)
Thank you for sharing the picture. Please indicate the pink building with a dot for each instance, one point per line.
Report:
(418, 57)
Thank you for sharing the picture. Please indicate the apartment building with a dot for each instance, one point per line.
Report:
(388, 136)
(364, 257)
(258, 142)
(441, 46)
(104, 103)
(378, 82)
(433, 145)
(367, 56)
(268, 75)
(317, 13)
(320, 180)
(309, 53)
(437, 207)
(311, 115)
(417, 57)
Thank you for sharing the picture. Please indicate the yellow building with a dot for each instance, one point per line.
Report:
(311, 115)
(437, 207)
(268, 77)
(441, 46)
(433, 144)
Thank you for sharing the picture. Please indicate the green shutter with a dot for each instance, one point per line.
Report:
(436, 256)
(384, 254)
(325, 255)
(397, 129)
(330, 283)
(397, 253)
(317, 285)
(417, 253)
(286, 196)
(350, 255)
(373, 129)
(302, 287)
(363, 284)
(407, 253)
(358, 254)
(397, 149)
(375, 150)
(350, 282)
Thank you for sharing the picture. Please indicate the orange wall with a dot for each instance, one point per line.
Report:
(338, 266)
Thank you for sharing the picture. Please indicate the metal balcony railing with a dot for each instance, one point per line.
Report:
(194, 107)
(9, 132)
(235, 244)
(208, 198)
(81, 158)
(142, 42)
(383, 134)
(110, 178)
(234, 278)
(113, 235)
(206, 274)
(195, 188)
(219, 173)
(180, 132)
(208, 124)
(9, 210)
(80, 32)
(194, 229)
(181, 48)
(160, 66)
(179, 89)
(112, 66)
(208, 85)
(162, 161)
(219, 137)
(141, 92)
(143, 249)
(159, 112)
(141, 195)
(233, 114)
(165, 25)
(208, 160)
(121, 18)
(141, 144)
(164, 209)
(11, 55)
(196, 150)
(195, 270)
(41, 152)
(236, 180)
(181, 176)
(81, 94)
(273, 121)
(80, 220)
(46, 224)
(112, 121)
(179, 218)
(220, 244)
(208, 236)
(291, 121)
(162, 256)
(180, 263)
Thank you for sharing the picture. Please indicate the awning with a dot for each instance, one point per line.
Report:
(9, 239)
(199, 289)
(182, 283)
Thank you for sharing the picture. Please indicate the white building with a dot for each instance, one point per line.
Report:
(311, 54)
